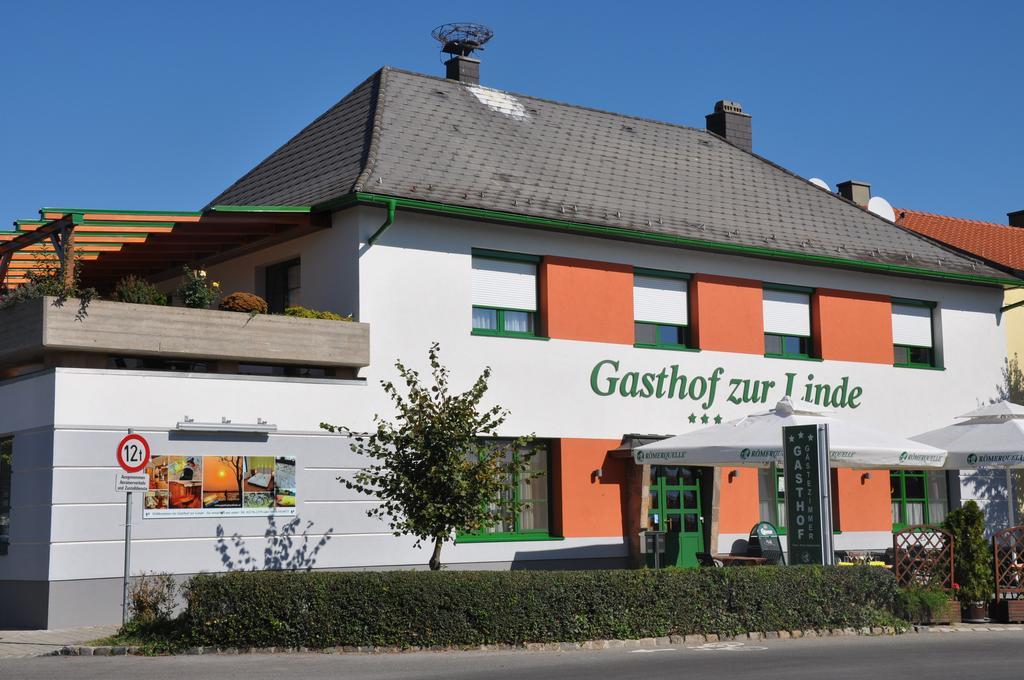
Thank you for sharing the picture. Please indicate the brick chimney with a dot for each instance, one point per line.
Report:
(729, 121)
(858, 192)
(464, 69)
(1016, 218)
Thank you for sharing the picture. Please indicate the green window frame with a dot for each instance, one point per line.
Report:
(6, 460)
(787, 345)
(915, 356)
(514, 527)
(659, 334)
(909, 488)
(777, 510)
(507, 322)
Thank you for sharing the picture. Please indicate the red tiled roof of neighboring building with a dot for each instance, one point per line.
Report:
(999, 244)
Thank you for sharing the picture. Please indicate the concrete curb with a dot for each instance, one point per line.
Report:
(642, 643)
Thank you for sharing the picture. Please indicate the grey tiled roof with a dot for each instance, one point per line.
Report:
(414, 136)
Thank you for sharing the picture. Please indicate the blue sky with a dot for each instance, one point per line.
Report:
(160, 105)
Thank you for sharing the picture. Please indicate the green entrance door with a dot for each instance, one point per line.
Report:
(675, 509)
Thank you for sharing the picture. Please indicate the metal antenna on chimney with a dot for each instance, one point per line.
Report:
(461, 39)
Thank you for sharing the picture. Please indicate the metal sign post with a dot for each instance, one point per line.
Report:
(127, 557)
(133, 457)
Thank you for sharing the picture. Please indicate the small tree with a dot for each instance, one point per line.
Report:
(1012, 388)
(435, 475)
(972, 557)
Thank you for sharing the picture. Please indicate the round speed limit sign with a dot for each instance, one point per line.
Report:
(133, 453)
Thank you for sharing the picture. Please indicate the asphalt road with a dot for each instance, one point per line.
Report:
(931, 656)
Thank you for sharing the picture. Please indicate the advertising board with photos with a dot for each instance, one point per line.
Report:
(220, 486)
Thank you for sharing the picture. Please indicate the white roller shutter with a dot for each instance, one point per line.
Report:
(504, 283)
(787, 312)
(911, 325)
(660, 300)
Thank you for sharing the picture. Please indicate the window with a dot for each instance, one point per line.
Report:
(6, 458)
(787, 323)
(533, 520)
(660, 309)
(771, 493)
(912, 339)
(504, 294)
(283, 286)
(918, 497)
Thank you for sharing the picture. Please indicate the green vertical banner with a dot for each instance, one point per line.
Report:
(806, 475)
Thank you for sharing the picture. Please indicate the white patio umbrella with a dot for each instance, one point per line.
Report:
(756, 440)
(989, 437)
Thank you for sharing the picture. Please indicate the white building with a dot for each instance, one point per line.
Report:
(619, 275)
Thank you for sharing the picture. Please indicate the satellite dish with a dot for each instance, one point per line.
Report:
(818, 182)
(881, 207)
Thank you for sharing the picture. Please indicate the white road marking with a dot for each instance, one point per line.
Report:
(728, 647)
(648, 651)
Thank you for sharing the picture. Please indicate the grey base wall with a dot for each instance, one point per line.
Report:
(37, 605)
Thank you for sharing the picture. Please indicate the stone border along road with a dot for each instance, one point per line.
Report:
(25, 643)
(642, 643)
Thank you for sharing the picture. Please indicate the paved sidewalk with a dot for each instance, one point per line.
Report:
(22, 643)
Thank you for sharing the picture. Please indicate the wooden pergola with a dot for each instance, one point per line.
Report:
(106, 245)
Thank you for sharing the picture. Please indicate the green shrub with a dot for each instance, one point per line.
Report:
(243, 302)
(196, 290)
(50, 279)
(304, 313)
(972, 554)
(414, 608)
(139, 291)
(919, 604)
(152, 598)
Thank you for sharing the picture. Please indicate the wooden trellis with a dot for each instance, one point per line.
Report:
(923, 556)
(1008, 556)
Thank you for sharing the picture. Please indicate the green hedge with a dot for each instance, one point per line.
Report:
(327, 609)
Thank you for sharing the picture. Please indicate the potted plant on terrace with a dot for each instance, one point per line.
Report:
(972, 560)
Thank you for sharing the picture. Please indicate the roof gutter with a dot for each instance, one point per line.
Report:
(664, 239)
(391, 205)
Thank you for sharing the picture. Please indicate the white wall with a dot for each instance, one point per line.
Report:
(26, 411)
(416, 285)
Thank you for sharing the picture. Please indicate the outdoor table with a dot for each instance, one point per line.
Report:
(740, 560)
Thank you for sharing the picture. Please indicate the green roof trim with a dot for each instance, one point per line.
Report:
(66, 211)
(263, 208)
(668, 239)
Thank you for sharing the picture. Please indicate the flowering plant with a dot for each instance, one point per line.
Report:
(196, 290)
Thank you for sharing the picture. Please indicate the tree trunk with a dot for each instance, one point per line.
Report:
(435, 559)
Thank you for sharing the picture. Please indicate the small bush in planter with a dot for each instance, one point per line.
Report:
(972, 556)
(196, 290)
(138, 291)
(304, 313)
(922, 604)
(243, 302)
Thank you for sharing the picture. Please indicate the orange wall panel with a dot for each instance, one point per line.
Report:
(851, 326)
(729, 314)
(586, 300)
(589, 506)
(864, 504)
(738, 509)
